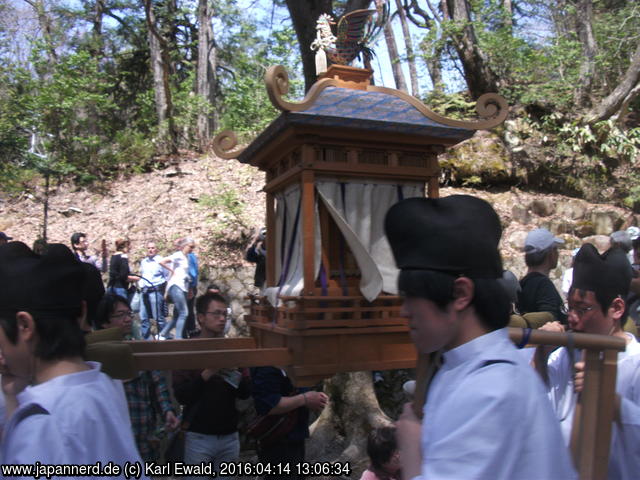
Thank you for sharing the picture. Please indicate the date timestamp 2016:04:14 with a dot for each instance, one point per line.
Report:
(308, 469)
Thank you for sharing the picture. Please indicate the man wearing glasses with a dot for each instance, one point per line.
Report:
(209, 396)
(597, 305)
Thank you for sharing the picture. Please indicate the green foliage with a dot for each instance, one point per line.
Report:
(452, 105)
(246, 108)
(603, 139)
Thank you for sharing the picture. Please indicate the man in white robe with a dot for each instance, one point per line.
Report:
(60, 410)
(486, 415)
(596, 305)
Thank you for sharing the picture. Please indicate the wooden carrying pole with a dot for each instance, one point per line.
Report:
(593, 417)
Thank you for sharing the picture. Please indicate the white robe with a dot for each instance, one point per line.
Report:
(80, 418)
(486, 417)
(624, 457)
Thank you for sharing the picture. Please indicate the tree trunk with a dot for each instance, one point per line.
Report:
(340, 432)
(161, 87)
(411, 58)
(205, 74)
(434, 65)
(304, 15)
(623, 94)
(507, 15)
(46, 24)
(396, 66)
(584, 17)
(563, 20)
(477, 73)
(98, 12)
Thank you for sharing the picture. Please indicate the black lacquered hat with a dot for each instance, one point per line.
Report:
(458, 234)
(609, 273)
(38, 283)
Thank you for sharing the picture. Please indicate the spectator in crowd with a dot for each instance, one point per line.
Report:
(119, 272)
(384, 455)
(486, 415)
(177, 287)
(80, 245)
(152, 285)
(39, 246)
(274, 394)
(62, 410)
(622, 241)
(257, 253)
(634, 234)
(567, 276)
(4, 238)
(147, 394)
(597, 305)
(538, 294)
(209, 395)
(190, 324)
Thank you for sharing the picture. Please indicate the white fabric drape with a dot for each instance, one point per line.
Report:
(359, 214)
(289, 237)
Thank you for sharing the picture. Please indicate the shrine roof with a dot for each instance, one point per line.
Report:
(363, 110)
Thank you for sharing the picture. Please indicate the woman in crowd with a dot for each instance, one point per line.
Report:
(119, 273)
(178, 286)
(147, 394)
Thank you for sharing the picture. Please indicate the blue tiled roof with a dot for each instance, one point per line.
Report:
(359, 110)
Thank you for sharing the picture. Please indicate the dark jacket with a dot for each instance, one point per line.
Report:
(538, 294)
(268, 386)
(214, 401)
(118, 271)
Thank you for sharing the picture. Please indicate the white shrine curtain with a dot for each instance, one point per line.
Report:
(359, 210)
(289, 271)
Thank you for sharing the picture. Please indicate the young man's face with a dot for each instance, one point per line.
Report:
(122, 318)
(585, 313)
(214, 319)
(14, 358)
(431, 328)
(82, 244)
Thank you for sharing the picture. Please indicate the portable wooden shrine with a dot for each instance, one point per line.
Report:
(335, 162)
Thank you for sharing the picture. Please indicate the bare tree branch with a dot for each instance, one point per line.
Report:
(614, 102)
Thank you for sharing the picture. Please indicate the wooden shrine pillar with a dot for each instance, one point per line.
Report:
(271, 246)
(307, 191)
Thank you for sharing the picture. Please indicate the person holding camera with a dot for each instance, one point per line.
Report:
(257, 253)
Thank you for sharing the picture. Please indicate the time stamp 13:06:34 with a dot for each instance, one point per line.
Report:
(307, 469)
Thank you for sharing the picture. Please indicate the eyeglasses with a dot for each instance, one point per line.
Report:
(217, 313)
(122, 315)
(580, 311)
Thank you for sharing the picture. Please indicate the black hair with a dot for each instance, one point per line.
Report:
(381, 445)
(105, 309)
(490, 299)
(203, 301)
(535, 259)
(59, 333)
(75, 238)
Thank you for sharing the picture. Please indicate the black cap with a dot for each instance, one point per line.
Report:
(39, 283)
(608, 273)
(458, 234)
